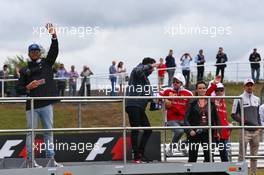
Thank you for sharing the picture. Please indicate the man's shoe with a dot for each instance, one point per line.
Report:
(56, 164)
(136, 161)
(145, 159)
(35, 164)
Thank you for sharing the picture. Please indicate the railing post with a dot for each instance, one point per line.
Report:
(210, 130)
(3, 88)
(85, 89)
(243, 130)
(79, 115)
(124, 129)
(32, 134)
(236, 73)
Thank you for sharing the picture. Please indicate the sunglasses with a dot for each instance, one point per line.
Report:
(177, 82)
(219, 90)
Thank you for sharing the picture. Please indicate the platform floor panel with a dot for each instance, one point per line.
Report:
(115, 168)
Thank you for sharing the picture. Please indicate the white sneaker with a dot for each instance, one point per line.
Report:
(56, 164)
(36, 165)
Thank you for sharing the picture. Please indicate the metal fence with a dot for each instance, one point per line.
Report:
(234, 72)
(124, 128)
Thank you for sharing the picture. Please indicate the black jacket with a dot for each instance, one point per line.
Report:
(221, 58)
(36, 70)
(193, 115)
(170, 61)
(255, 57)
(139, 85)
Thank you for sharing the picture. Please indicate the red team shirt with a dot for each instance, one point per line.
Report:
(178, 106)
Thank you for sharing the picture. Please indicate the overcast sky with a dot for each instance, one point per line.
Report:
(129, 30)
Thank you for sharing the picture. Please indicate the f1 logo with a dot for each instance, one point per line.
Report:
(6, 148)
(98, 147)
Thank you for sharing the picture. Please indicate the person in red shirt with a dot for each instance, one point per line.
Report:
(161, 73)
(176, 107)
(222, 140)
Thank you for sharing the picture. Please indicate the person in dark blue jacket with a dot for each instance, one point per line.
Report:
(139, 85)
(36, 80)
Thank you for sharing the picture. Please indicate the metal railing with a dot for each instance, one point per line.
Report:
(125, 128)
(234, 72)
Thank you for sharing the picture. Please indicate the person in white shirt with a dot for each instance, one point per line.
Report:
(121, 70)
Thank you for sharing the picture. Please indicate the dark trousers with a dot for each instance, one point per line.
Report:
(223, 149)
(61, 85)
(200, 73)
(170, 76)
(194, 143)
(88, 89)
(222, 69)
(186, 74)
(137, 117)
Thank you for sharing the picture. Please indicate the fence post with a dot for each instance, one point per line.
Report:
(124, 129)
(32, 134)
(3, 86)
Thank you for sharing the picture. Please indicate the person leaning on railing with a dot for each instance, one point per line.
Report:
(36, 80)
(135, 108)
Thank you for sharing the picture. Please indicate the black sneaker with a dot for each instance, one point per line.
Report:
(145, 159)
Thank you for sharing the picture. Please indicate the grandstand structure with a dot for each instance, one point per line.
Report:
(172, 165)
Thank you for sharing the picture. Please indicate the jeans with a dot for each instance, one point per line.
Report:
(186, 74)
(137, 117)
(177, 133)
(113, 83)
(46, 116)
(257, 70)
(72, 89)
(170, 76)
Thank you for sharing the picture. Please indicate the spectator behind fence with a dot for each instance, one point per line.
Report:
(4, 74)
(161, 73)
(197, 115)
(221, 58)
(86, 82)
(73, 76)
(250, 107)
(62, 78)
(255, 59)
(112, 77)
(200, 60)
(36, 80)
(121, 70)
(171, 65)
(135, 108)
(185, 63)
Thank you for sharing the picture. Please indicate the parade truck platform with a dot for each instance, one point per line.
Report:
(161, 166)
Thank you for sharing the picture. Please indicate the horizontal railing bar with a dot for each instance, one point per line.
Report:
(119, 97)
(129, 128)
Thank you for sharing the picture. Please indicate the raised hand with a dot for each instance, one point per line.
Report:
(51, 29)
